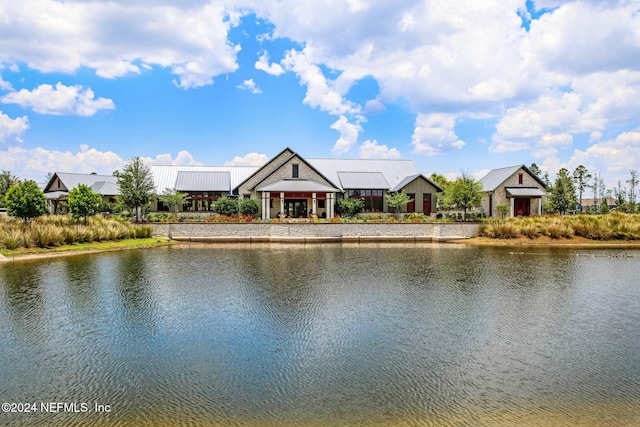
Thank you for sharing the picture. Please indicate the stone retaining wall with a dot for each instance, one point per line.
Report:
(313, 232)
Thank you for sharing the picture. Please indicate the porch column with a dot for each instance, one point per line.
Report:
(540, 206)
(313, 203)
(513, 200)
(282, 203)
(266, 212)
(329, 204)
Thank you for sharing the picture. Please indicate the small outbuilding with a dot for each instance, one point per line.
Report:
(521, 190)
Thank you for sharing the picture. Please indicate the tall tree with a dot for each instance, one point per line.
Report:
(443, 201)
(25, 200)
(581, 176)
(535, 169)
(136, 186)
(465, 193)
(562, 197)
(633, 181)
(83, 202)
(6, 181)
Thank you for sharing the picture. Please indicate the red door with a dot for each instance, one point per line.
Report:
(426, 203)
(411, 206)
(522, 207)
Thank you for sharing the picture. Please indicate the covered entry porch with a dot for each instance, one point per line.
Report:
(525, 201)
(297, 198)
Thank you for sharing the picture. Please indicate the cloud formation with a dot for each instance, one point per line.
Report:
(435, 134)
(59, 100)
(12, 128)
(250, 159)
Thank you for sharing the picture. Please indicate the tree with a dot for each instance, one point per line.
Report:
(174, 199)
(465, 193)
(562, 197)
(535, 169)
(136, 186)
(581, 176)
(6, 181)
(632, 189)
(83, 202)
(443, 201)
(25, 200)
(397, 200)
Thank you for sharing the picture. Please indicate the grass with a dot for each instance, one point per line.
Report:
(53, 231)
(83, 247)
(613, 226)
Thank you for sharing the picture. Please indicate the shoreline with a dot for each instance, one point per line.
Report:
(522, 241)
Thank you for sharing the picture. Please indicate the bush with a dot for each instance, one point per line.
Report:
(349, 207)
(226, 206)
(249, 207)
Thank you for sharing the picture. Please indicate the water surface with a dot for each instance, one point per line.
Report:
(324, 335)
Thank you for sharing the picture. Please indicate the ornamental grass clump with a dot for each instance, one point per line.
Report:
(45, 235)
(499, 230)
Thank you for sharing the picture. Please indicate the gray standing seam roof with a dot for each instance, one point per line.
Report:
(297, 185)
(494, 178)
(393, 171)
(363, 180)
(203, 181)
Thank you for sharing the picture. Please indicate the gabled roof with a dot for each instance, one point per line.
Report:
(72, 180)
(393, 171)
(203, 181)
(408, 180)
(303, 160)
(258, 169)
(297, 185)
(496, 177)
(362, 180)
(164, 177)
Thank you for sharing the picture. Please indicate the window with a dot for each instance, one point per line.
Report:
(321, 203)
(520, 179)
(294, 171)
(372, 199)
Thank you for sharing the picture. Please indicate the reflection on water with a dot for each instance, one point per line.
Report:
(325, 335)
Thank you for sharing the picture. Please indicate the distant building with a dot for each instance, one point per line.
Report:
(57, 189)
(517, 187)
(294, 186)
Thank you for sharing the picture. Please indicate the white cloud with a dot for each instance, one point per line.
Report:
(348, 135)
(118, 38)
(435, 134)
(250, 159)
(249, 85)
(183, 158)
(370, 149)
(5, 85)
(12, 128)
(320, 91)
(59, 100)
(262, 64)
(35, 163)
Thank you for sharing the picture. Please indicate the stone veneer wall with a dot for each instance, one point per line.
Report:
(309, 232)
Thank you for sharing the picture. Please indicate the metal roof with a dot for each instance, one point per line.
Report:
(203, 181)
(72, 180)
(165, 176)
(297, 185)
(494, 178)
(393, 171)
(105, 188)
(525, 192)
(362, 180)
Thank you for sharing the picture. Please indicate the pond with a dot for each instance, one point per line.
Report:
(425, 334)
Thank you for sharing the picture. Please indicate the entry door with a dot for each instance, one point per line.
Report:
(411, 206)
(426, 203)
(296, 207)
(522, 207)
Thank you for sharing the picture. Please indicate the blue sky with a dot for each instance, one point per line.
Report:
(455, 86)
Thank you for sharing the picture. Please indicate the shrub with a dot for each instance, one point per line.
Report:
(249, 207)
(226, 206)
(349, 207)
